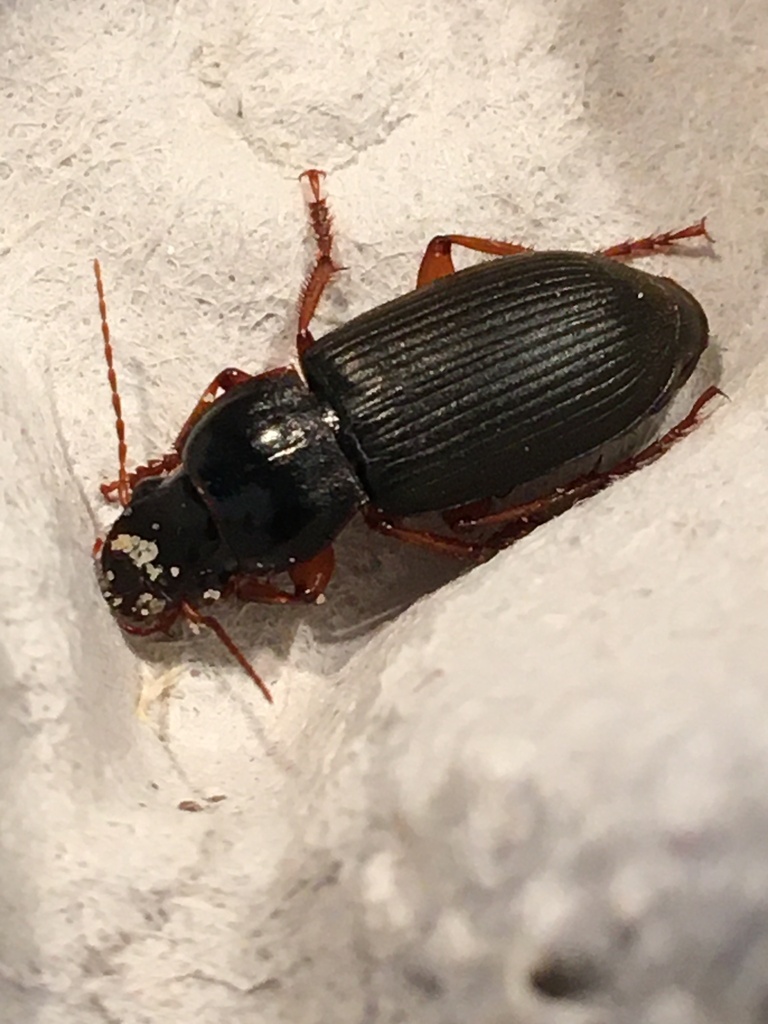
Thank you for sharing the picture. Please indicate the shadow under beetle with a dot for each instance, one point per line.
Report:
(442, 400)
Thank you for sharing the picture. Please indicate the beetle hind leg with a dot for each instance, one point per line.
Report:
(518, 520)
(437, 260)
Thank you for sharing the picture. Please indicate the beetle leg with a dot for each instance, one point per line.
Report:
(437, 260)
(197, 619)
(656, 243)
(167, 463)
(312, 577)
(325, 265)
(538, 508)
(464, 514)
(658, 447)
(155, 467)
(223, 381)
(309, 578)
(393, 526)
(526, 516)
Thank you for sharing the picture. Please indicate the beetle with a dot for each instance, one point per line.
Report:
(439, 401)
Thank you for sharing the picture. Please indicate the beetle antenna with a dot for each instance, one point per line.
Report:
(193, 616)
(123, 487)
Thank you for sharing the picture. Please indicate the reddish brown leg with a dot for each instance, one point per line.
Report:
(165, 464)
(658, 447)
(222, 382)
(309, 578)
(467, 513)
(437, 260)
(325, 265)
(393, 526)
(655, 243)
(531, 513)
(196, 618)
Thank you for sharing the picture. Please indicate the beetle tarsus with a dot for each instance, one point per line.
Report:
(640, 247)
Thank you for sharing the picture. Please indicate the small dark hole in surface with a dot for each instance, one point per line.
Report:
(561, 977)
(425, 981)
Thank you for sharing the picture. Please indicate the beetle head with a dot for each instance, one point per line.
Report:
(162, 550)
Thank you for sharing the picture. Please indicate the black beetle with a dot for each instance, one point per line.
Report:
(439, 401)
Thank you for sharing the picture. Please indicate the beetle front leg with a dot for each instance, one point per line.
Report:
(325, 265)
(155, 467)
(309, 579)
(640, 247)
(437, 260)
(222, 382)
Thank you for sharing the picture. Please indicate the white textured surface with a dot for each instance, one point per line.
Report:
(556, 764)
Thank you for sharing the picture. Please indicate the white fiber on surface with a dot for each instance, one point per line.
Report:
(534, 792)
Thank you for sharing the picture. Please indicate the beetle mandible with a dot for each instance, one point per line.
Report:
(441, 400)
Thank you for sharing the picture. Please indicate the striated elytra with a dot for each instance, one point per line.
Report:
(485, 380)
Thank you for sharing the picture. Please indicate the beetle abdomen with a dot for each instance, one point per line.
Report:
(500, 373)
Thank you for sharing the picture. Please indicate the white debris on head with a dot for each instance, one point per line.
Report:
(140, 551)
(148, 604)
